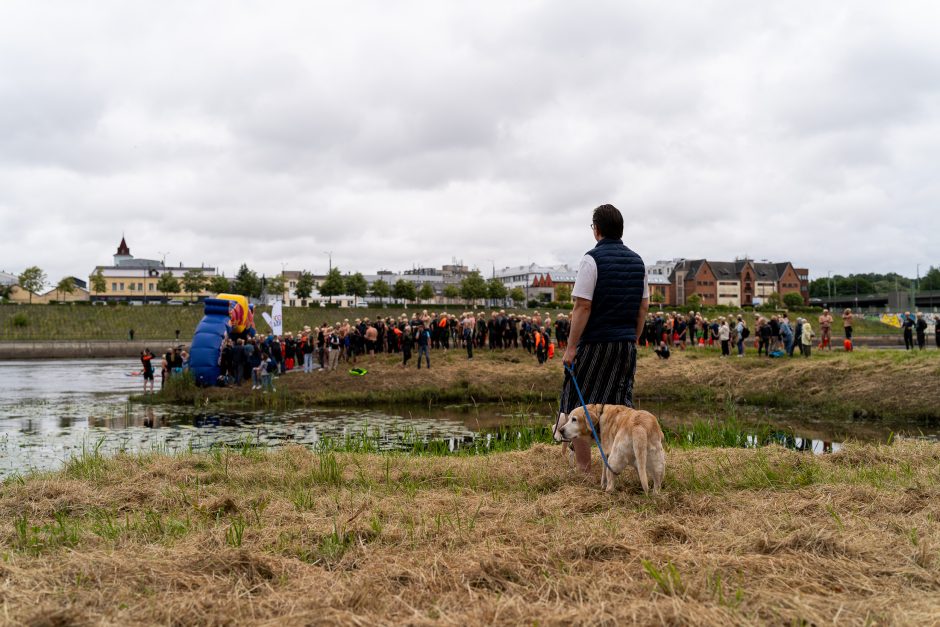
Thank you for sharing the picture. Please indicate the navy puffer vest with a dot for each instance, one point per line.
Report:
(617, 295)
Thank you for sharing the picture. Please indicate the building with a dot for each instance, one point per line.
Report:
(438, 279)
(79, 293)
(658, 278)
(131, 279)
(738, 283)
(539, 282)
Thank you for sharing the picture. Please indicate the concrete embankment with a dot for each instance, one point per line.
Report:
(81, 349)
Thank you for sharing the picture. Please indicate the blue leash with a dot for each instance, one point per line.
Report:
(587, 416)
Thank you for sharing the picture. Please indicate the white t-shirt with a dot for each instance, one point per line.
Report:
(586, 281)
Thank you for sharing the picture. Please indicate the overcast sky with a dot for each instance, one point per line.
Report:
(409, 133)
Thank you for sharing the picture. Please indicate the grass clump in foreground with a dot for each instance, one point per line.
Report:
(245, 536)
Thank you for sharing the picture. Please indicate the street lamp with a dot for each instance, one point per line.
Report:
(329, 253)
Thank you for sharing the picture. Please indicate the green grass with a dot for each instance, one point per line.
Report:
(159, 322)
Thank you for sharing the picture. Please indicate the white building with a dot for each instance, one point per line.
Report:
(133, 279)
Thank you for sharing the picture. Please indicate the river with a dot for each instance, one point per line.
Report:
(51, 410)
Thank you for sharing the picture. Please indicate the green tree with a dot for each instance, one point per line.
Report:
(819, 288)
(220, 285)
(657, 297)
(333, 285)
(246, 282)
(773, 301)
(426, 292)
(357, 285)
(792, 300)
(98, 282)
(472, 287)
(404, 290)
(495, 289)
(852, 285)
(517, 294)
(194, 281)
(66, 285)
(693, 301)
(563, 293)
(931, 280)
(381, 290)
(304, 286)
(451, 291)
(32, 280)
(275, 286)
(168, 284)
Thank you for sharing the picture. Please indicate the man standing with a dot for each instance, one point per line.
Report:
(825, 327)
(907, 324)
(611, 300)
(920, 326)
(467, 325)
(424, 345)
(146, 359)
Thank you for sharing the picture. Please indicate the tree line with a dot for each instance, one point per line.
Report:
(871, 283)
(472, 287)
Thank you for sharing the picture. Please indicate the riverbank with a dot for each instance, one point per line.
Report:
(739, 536)
(89, 349)
(77, 349)
(861, 384)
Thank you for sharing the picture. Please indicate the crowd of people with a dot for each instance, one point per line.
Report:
(775, 335)
(324, 348)
(916, 324)
(173, 362)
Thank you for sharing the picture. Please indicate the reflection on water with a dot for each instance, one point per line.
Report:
(52, 410)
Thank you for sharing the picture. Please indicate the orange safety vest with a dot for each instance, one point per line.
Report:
(538, 339)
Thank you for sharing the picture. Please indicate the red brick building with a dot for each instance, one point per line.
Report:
(734, 283)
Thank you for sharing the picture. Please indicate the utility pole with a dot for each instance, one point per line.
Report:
(329, 253)
(829, 285)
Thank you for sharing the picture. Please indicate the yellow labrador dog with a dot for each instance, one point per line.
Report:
(629, 437)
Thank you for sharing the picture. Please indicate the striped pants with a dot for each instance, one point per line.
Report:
(605, 375)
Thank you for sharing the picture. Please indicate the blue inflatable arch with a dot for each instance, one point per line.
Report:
(212, 331)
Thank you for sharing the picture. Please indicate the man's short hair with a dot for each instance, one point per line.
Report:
(609, 221)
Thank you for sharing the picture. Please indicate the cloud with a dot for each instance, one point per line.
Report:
(272, 133)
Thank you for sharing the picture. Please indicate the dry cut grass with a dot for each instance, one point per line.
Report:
(293, 537)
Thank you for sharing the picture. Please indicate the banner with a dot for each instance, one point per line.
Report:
(275, 319)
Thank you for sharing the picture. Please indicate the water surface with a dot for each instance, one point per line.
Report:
(53, 409)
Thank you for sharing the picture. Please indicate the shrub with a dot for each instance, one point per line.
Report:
(20, 320)
(792, 300)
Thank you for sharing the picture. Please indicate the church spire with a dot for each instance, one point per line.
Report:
(123, 249)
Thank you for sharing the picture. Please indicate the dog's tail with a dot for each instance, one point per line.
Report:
(639, 451)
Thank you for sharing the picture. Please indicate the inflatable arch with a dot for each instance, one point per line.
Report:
(226, 316)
